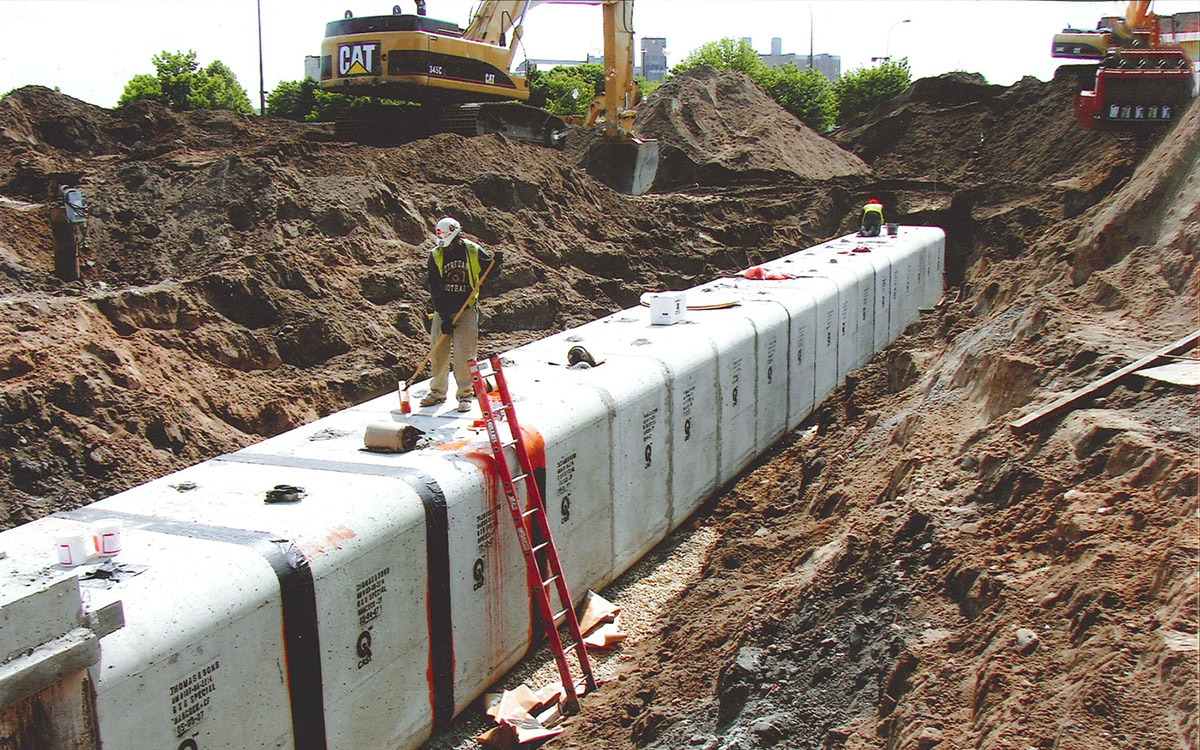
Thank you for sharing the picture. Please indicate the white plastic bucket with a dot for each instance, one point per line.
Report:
(106, 536)
(72, 547)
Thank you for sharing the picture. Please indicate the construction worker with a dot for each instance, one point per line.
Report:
(454, 273)
(872, 219)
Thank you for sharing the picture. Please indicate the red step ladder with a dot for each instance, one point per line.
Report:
(530, 522)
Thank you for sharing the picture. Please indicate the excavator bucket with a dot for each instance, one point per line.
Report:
(629, 167)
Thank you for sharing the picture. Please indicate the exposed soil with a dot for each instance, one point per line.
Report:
(904, 571)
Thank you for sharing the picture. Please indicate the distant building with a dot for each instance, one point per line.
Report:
(312, 67)
(653, 54)
(654, 58)
(829, 66)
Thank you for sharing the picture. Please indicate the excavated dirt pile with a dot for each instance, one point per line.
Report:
(717, 127)
(904, 571)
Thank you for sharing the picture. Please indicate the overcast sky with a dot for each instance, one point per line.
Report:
(91, 48)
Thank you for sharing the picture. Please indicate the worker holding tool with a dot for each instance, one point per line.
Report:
(872, 219)
(456, 270)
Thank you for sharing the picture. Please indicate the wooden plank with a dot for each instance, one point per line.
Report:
(1066, 402)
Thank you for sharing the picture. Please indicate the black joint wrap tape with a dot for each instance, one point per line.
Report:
(441, 624)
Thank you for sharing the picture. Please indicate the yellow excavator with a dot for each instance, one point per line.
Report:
(1143, 74)
(462, 81)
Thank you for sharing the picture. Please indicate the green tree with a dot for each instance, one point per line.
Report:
(805, 93)
(646, 88)
(218, 88)
(724, 54)
(295, 100)
(566, 89)
(863, 89)
(180, 84)
(141, 86)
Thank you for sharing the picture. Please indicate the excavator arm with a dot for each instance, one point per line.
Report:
(494, 19)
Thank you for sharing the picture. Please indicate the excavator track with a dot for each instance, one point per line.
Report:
(508, 118)
(379, 124)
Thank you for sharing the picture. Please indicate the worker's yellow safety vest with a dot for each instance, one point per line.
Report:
(874, 208)
(472, 265)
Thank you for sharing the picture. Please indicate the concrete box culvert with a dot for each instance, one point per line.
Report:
(371, 611)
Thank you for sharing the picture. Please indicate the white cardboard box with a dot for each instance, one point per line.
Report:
(667, 308)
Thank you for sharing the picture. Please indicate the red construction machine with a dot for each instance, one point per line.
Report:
(1144, 75)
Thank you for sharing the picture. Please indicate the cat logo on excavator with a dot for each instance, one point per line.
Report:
(359, 59)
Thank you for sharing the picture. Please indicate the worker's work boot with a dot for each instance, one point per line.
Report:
(464, 405)
(432, 400)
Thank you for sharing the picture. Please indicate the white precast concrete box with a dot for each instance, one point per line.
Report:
(684, 353)
(856, 283)
(477, 615)
(358, 633)
(202, 624)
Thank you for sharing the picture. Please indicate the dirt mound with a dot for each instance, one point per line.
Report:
(1160, 206)
(717, 127)
(993, 165)
(1024, 133)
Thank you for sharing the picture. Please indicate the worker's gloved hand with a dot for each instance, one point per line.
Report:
(447, 326)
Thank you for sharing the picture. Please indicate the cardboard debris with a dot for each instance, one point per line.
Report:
(520, 702)
(596, 609)
(511, 734)
(548, 695)
(522, 715)
(606, 636)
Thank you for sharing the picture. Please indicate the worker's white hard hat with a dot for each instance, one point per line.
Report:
(446, 230)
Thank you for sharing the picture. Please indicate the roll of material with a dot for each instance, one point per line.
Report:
(391, 437)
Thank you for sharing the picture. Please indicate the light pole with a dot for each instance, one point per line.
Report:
(887, 47)
(262, 92)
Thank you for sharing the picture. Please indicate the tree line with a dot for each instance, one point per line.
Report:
(181, 84)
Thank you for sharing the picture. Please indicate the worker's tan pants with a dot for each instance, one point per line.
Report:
(465, 340)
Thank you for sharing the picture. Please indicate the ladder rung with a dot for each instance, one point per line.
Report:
(539, 547)
(510, 443)
(549, 581)
(529, 512)
(519, 477)
(559, 615)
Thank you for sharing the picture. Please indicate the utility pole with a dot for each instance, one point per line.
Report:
(262, 89)
(810, 37)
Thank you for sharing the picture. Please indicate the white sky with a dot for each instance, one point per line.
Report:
(91, 48)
